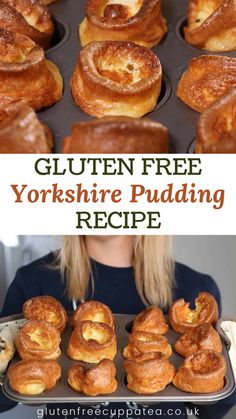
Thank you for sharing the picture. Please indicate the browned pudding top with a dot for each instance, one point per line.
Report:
(200, 10)
(124, 63)
(205, 306)
(203, 362)
(20, 129)
(218, 123)
(34, 12)
(39, 335)
(18, 52)
(93, 311)
(123, 67)
(46, 308)
(149, 356)
(96, 333)
(118, 14)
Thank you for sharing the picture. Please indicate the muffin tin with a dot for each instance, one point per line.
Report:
(63, 393)
(174, 54)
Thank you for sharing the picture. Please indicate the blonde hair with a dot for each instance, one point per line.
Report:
(152, 262)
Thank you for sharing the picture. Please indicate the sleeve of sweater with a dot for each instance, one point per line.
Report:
(16, 296)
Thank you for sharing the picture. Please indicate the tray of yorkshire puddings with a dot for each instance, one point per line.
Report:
(93, 355)
(117, 76)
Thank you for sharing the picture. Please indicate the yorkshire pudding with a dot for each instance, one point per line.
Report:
(203, 336)
(117, 134)
(100, 379)
(216, 126)
(138, 21)
(149, 373)
(202, 372)
(183, 319)
(152, 320)
(25, 74)
(91, 342)
(34, 377)
(116, 78)
(93, 311)
(46, 308)
(21, 131)
(212, 24)
(144, 342)
(27, 17)
(206, 79)
(38, 339)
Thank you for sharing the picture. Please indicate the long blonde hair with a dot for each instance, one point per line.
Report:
(152, 262)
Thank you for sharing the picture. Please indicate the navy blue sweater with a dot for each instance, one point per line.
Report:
(112, 286)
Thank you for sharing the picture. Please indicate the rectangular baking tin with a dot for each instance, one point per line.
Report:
(173, 52)
(64, 394)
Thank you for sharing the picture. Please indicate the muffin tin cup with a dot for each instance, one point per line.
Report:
(62, 393)
(173, 52)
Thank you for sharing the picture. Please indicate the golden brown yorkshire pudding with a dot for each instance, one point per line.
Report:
(116, 78)
(93, 311)
(46, 308)
(216, 126)
(183, 319)
(91, 342)
(144, 342)
(203, 336)
(38, 339)
(27, 17)
(138, 21)
(33, 377)
(21, 131)
(212, 24)
(202, 372)
(100, 379)
(149, 373)
(206, 79)
(152, 320)
(25, 74)
(117, 134)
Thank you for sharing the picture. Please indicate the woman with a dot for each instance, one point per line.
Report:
(125, 272)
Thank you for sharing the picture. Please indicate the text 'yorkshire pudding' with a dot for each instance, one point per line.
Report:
(183, 319)
(203, 336)
(206, 79)
(25, 74)
(21, 131)
(46, 308)
(93, 311)
(212, 24)
(138, 21)
(117, 134)
(116, 78)
(91, 342)
(216, 126)
(93, 381)
(149, 373)
(38, 339)
(202, 372)
(34, 377)
(152, 320)
(27, 17)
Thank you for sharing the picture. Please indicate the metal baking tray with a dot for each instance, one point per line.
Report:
(63, 393)
(174, 54)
